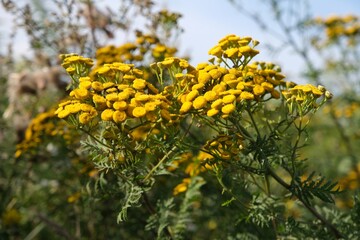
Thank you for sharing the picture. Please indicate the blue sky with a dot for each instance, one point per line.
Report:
(207, 21)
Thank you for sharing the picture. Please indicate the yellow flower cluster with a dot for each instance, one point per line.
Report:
(347, 110)
(11, 217)
(75, 64)
(225, 146)
(239, 50)
(337, 27)
(116, 92)
(218, 90)
(194, 166)
(351, 180)
(43, 125)
(303, 98)
(136, 51)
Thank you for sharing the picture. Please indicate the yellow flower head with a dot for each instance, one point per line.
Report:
(112, 97)
(107, 115)
(199, 102)
(63, 113)
(228, 99)
(192, 95)
(219, 88)
(217, 104)
(120, 105)
(86, 107)
(216, 51)
(84, 118)
(167, 62)
(246, 96)
(139, 112)
(197, 86)
(85, 85)
(267, 86)
(231, 52)
(97, 99)
(142, 97)
(182, 187)
(203, 77)
(119, 116)
(212, 112)
(258, 90)
(150, 106)
(228, 108)
(210, 96)
(81, 93)
(139, 84)
(215, 73)
(185, 107)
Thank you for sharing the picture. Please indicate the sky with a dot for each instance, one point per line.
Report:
(207, 21)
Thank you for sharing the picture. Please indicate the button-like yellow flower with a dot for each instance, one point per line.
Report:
(81, 93)
(198, 86)
(119, 116)
(215, 73)
(212, 112)
(204, 77)
(98, 99)
(267, 86)
(112, 97)
(231, 52)
(185, 107)
(150, 106)
(258, 90)
(216, 51)
(167, 62)
(139, 112)
(217, 104)
(97, 86)
(228, 99)
(107, 85)
(123, 96)
(139, 84)
(218, 88)
(246, 95)
(199, 102)
(63, 113)
(120, 105)
(84, 118)
(210, 96)
(228, 108)
(192, 95)
(86, 107)
(85, 85)
(107, 114)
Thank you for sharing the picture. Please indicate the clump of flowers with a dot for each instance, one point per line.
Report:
(302, 99)
(337, 28)
(44, 125)
(193, 122)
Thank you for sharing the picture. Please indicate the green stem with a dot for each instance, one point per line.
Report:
(159, 163)
(253, 121)
(94, 138)
(324, 221)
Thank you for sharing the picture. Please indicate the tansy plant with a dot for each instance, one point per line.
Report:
(232, 125)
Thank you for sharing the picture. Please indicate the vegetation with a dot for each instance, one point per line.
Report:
(132, 141)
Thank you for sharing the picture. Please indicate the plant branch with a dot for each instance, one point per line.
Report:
(324, 221)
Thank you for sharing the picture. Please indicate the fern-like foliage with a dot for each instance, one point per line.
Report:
(315, 187)
(171, 223)
(183, 217)
(132, 199)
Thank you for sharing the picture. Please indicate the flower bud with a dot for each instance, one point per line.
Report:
(328, 95)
